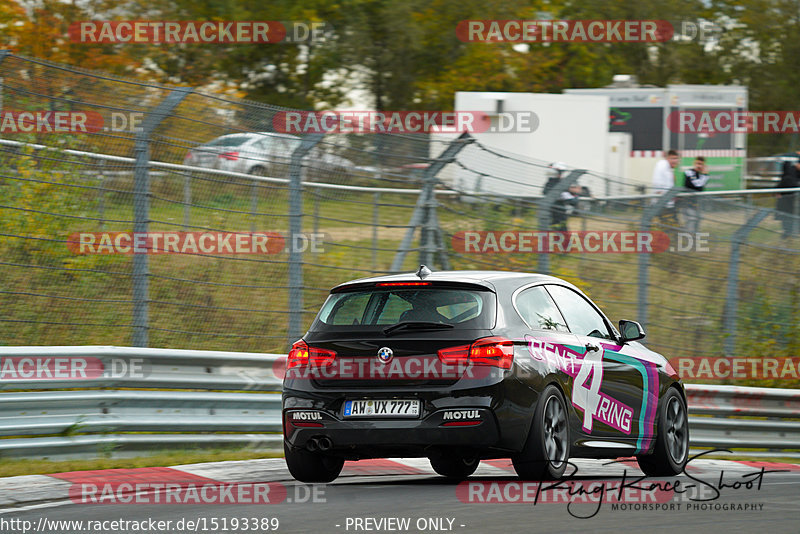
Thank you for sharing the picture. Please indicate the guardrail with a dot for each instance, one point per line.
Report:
(132, 399)
(128, 367)
(745, 417)
(93, 401)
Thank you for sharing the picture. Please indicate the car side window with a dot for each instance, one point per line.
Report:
(539, 311)
(286, 146)
(582, 318)
(263, 144)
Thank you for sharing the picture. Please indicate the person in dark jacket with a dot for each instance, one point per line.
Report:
(567, 201)
(694, 179)
(786, 205)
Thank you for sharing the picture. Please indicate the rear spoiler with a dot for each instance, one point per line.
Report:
(412, 284)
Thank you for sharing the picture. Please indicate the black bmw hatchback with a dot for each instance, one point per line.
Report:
(460, 366)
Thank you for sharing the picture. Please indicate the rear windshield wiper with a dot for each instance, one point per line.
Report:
(416, 325)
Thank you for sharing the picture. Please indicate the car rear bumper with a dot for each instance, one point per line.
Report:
(446, 428)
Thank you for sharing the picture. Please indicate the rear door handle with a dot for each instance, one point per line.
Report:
(591, 347)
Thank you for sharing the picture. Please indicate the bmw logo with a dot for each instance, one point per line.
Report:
(385, 354)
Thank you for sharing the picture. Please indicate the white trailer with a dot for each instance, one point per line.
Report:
(572, 129)
(643, 113)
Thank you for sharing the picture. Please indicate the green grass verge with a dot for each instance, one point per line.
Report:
(14, 467)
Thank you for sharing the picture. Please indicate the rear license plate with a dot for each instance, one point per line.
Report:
(381, 408)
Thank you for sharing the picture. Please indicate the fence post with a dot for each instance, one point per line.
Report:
(101, 195)
(425, 208)
(253, 204)
(376, 201)
(316, 211)
(584, 224)
(731, 298)
(141, 210)
(3, 54)
(427, 239)
(437, 234)
(187, 200)
(650, 212)
(796, 214)
(294, 330)
(431, 239)
(544, 205)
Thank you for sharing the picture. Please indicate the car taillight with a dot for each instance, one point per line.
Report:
(495, 351)
(233, 156)
(454, 355)
(491, 351)
(302, 355)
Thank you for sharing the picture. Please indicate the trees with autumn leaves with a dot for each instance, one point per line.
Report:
(404, 54)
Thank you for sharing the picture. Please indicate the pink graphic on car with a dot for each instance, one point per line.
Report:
(587, 370)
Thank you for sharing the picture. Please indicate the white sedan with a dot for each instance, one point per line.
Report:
(265, 154)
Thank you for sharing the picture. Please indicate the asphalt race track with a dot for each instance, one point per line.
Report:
(406, 496)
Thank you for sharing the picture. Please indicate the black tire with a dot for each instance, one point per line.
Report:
(454, 467)
(546, 450)
(671, 450)
(312, 467)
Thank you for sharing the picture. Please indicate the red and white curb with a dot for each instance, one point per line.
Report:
(32, 491)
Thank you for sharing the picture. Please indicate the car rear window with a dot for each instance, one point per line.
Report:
(235, 140)
(380, 307)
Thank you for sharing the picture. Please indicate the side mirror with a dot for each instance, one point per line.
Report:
(630, 330)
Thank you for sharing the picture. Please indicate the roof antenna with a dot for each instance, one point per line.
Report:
(423, 272)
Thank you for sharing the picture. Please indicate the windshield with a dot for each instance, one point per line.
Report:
(234, 140)
(377, 308)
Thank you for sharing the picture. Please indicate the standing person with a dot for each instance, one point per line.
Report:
(554, 172)
(786, 201)
(694, 179)
(663, 181)
(565, 203)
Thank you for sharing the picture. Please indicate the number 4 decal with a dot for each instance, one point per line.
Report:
(587, 399)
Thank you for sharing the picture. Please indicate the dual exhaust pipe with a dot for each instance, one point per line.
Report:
(321, 444)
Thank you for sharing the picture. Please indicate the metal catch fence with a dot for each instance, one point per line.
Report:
(163, 161)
